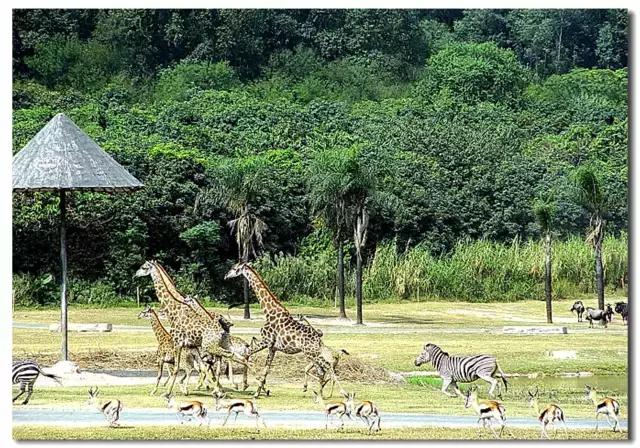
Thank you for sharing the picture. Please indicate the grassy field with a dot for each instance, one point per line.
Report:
(391, 342)
(202, 433)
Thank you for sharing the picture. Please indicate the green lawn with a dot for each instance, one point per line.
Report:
(454, 326)
(203, 433)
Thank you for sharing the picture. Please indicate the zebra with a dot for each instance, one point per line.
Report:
(25, 374)
(464, 369)
(578, 308)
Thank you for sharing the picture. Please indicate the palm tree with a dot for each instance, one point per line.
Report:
(544, 211)
(363, 193)
(238, 183)
(592, 198)
(328, 184)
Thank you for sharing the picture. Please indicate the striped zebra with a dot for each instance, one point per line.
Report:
(461, 369)
(25, 374)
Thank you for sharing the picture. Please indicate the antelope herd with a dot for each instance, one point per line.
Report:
(205, 337)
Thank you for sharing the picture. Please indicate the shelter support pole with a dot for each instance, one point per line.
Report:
(63, 282)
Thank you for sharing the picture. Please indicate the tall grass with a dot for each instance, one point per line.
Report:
(474, 271)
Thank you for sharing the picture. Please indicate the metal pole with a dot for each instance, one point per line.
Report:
(63, 264)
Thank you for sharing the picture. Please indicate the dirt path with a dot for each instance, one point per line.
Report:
(349, 328)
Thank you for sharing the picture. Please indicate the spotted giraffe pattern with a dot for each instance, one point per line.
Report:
(167, 350)
(188, 329)
(237, 346)
(281, 332)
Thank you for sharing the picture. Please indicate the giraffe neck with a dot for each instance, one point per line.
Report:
(268, 301)
(172, 306)
(158, 328)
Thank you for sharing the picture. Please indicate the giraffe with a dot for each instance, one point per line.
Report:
(166, 352)
(188, 329)
(281, 331)
(234, 344)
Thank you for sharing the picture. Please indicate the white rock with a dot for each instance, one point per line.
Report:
(98, 327)
(563, 354)
(534, 330)
(62, 368)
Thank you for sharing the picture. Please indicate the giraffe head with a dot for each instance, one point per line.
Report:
(146, 313)
(145, 269)
(192, 302)
(237, 270)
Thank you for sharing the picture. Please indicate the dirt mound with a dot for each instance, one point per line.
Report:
(286, 368)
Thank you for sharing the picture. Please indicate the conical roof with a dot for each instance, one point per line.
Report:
(62, 157)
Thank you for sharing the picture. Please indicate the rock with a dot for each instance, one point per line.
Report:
(534, 330)
(83, 327)
(397, 378)
(62, 368)
(562, 354)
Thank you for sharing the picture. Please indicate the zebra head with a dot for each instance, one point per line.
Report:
(425, 356)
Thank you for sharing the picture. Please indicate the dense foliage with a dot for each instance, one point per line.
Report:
(464, 116)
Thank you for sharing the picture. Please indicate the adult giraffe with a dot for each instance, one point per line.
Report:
(189, 330)
(281, 332)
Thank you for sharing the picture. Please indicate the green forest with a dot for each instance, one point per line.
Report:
(420, 146)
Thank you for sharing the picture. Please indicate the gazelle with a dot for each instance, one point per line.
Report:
(369, 414)
(187, 410)
(487, 410)
(333, 408)
(110, 409)
(607, 406)
(551, 414)
(238, 405)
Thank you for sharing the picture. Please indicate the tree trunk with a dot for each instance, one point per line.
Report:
(343, 312)
(359, 288)
(599, 268)
(361, 225)
(547, 276)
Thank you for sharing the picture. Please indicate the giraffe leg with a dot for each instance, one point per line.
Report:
(160, 371)
(245, 377)
(306, 376)
(175, 372)
(267, 368)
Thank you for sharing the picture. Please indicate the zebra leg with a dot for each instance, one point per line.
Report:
(445, 385)
(457, 389)
(29, 393)
(491, 380)
(22, 391)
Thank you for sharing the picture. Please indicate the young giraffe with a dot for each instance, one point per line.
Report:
(234, 344)
(281, 332)
(188, 329)
(215, 344)
(166, 352)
